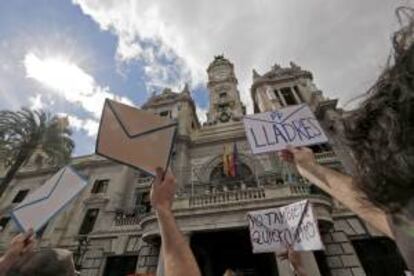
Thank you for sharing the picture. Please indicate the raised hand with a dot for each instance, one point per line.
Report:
(163, 190)
(301, 157)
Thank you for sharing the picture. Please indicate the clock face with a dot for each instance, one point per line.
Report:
(221, 72)
(224, 117)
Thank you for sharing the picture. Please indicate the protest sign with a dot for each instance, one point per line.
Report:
(272, 230)
(273, 131)
(134, 137)
(48, 200)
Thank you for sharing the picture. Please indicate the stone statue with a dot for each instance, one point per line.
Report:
(294, 66)
(276, 67)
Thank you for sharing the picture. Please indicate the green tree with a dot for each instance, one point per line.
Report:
(24, 131)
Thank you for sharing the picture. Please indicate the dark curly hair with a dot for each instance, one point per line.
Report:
(380, 131)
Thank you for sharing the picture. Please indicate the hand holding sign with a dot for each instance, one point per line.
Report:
(48, 200)
(290, 226)
(273, 131)
(135, 137)
(301, 157)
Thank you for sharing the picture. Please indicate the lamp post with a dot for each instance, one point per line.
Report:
(79, 254)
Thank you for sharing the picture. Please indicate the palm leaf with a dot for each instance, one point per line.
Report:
(24, 131)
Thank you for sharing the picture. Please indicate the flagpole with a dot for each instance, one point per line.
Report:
(255, 174)
(192, 182)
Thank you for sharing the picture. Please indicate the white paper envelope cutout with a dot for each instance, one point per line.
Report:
(273, 131)
(48, 200)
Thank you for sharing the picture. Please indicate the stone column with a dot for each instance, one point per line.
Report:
(295, 95)
(283, 102)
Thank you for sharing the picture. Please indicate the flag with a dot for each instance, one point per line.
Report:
(230, 161)
(235, 161)
(225, 161)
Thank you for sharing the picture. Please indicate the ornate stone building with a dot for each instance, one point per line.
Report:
(112, 231)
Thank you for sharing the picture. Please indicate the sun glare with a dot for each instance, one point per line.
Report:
(58, 74)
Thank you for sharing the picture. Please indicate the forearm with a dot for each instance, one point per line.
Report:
(342, 188)
(301, 272)
(5, 265)
(178, 258)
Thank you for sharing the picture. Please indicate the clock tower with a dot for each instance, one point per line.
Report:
(225, 104)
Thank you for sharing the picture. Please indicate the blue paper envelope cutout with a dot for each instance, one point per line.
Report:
(48, 200)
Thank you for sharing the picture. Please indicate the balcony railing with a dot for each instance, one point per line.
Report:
(325, 156)
(131, 216)
(227, 192)
(127, 220)
(227, 197)
(144, 180)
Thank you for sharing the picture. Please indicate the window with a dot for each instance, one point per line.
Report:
(100, 186)
(20, 196)
(288, 96)
(142, 201)
(165, 113)
(3, 223)
(89, 221)
(120, 265)
(379, 256)
(320, 258)
(223, 95)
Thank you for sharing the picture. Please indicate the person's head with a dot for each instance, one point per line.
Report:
(229, 272)
(380, 132)
(48, 262)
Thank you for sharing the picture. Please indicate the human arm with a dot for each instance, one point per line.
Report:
(178, 258)
(295, 260)
(19, 246)
(338, 185)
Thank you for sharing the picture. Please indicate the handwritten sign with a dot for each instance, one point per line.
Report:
(48, 200)
(274, 229)
(273, 131)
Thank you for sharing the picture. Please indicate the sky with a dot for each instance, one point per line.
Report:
(68, 56)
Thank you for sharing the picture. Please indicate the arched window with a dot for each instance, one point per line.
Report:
(244, 173)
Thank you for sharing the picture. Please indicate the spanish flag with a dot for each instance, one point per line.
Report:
(230, 159)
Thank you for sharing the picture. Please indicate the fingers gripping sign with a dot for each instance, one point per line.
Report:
(163, 190)
(299, 156)
(19, 248)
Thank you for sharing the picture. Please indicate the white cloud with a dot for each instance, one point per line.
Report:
(90, 126)
(70, 82)
(344, 43)
(201, 114)
(36, 102)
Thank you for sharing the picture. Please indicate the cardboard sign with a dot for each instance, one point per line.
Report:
(272, 230)
(273, 131)
(48, 200)
(135, 137)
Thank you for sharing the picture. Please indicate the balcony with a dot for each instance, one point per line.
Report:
(131, 216)
(144, 180)
(227, 197)
(326, 157)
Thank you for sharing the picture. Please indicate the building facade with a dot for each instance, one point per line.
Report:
(112, 230)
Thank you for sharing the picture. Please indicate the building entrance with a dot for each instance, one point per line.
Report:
(120, 265)
(217, 251)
